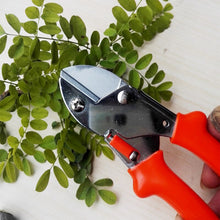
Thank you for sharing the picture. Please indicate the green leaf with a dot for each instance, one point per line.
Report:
(50, 156)
(104, 182)
(168, 7)
(38, 2)
(78, 29)
(23, 112)
(159, 77)
(134, 79)
(95, 38)
(69, 154)
(80, 176)
(39, 113)
(66, 168)
(54, 52)
(107, 64)
(2, 87)
(145, 14)
(35, 48)
(38, 101)
(108, 153)
(136, 25)
(11, 172)
(164, 86)
(30, 27)
(3, 41)
(151, 71)
(112, 57)
(155, 5)
(105, 47)
(120, 69)
(3, 155)
(27, 147)
(137, 39)
(110, 32)
(129, 5)
(21, 131)
(45, 45)
(7, 103)
(96, 52)
(132, 57)
(24, 87)
(2, 164)
(27, 167)
(5, 115)
(91, 196)
(48, 143)
(33, 137)
(24, 99)
(143, 62)
(83, 189)
(2, 31)
(49, 16)
(32, 12)
(65, 27)
(166, 95)
(43, 181)
(108, 196)
(16, 50)
(61, 177)
(38, 124)
(13, 141)
(25, 122)
(51, 29)
(17, 161)
(54, 7)
(39, 156)
(14, 22)
(120, 15)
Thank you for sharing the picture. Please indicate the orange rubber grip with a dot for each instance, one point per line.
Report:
(191, 133)
(121, 146)
(153, 177)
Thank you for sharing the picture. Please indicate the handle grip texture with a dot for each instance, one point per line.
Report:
(191, 132)
(153, 177)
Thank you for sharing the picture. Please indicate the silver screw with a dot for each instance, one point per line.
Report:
(77, 105)
(133, 156)
(123, 97)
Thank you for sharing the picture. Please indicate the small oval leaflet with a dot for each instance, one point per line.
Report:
(38, 124)
(43, 181)
(39, 113)
(129, 5)
(14, 22)
(104, 182)
(5, 115)
(119, 14)
(91, 196)
(143, 62)
(32, 12)
(33, 137)
(108, 196)
(13, 141)
(61, 177)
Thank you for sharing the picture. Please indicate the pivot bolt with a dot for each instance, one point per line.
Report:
(123, 97)
(77, 105)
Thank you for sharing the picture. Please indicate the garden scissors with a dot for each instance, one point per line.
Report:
(132, 123)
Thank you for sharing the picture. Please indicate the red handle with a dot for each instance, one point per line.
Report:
(153, 177)
(191, 133)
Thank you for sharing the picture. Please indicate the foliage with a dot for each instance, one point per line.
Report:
(38, 54)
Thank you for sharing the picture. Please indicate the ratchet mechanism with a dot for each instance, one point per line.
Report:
(132, 123)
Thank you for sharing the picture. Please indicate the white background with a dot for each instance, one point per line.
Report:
(189, 52)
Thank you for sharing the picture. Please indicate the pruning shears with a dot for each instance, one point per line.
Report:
(132, 124)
